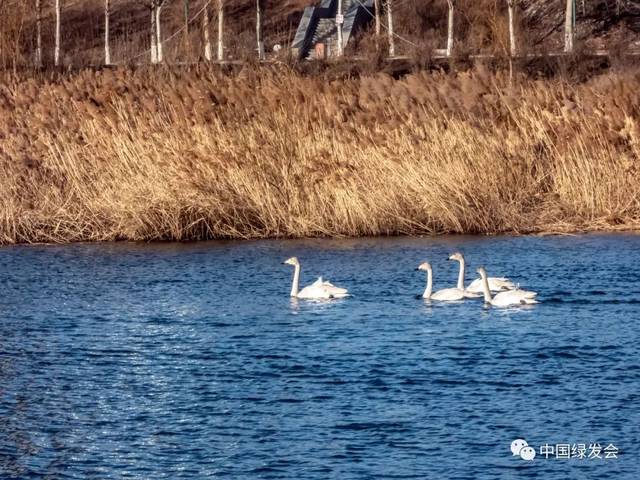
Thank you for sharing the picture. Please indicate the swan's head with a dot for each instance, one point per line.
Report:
(292, 261)
(482, 272)
(456, 256)
(424, 267)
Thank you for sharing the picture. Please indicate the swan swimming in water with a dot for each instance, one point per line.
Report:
(507, 298)
(318, 289)
(458, 257)
(475, 288)
(445, 295)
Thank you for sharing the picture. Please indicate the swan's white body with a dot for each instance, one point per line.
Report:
(496, 284)
(507, 298)
(445, 295)
(319, 289)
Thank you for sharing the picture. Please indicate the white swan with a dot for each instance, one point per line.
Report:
(445, 295)
(458, 257)
(318, 289)
(507, 298)
(475, 288)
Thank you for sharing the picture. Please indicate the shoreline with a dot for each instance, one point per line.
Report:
(577, 233)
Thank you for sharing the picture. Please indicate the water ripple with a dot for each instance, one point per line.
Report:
(190, 361)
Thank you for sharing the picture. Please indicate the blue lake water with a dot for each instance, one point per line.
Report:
(191, 361)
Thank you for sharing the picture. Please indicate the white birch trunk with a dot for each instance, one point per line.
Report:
(186, 29)
(154, 45)
(205, 33)
(450, 28)
(512, 29)
(56, 53)
(339, 24)
(159, 34)
(220, 30)
(38, 58)
(392, 40)
(568, 26)
(107, 50)
(259, 30)
(376, 6)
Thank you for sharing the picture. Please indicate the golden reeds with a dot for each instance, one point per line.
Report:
(167, 154)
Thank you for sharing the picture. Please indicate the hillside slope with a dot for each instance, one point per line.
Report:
(421, 24)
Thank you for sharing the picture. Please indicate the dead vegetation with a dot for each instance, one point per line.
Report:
(159, 154)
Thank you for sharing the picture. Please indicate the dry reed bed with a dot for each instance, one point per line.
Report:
(156, 155)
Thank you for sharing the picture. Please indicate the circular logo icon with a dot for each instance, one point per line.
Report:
(517, 445)
(527, 453)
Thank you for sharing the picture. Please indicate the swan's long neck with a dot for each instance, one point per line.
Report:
(461, 275)
(427, 291)
(485, 288)
(296, 281)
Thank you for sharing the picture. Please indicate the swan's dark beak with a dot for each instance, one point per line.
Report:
(417, 269)
(284, 263)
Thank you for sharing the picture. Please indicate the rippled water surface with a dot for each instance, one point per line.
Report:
(190, 361)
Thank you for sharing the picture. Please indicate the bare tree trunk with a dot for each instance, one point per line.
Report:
(38, 34)
(392, 40)
(568, 26)
(154, 45)
(205, 32)
(220, 30)
(186, 29)
(450, 28)
(339, 23)
(512, 30)
(16, 42)
(56, 53)
(376, 6)
(159, 34)
(259, 30)
(107, 50)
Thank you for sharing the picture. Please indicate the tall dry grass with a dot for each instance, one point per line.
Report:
(150, 155)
